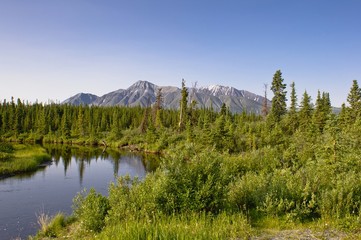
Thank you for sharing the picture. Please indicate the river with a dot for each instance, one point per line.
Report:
(52, 188)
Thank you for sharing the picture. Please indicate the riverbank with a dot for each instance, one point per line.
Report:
(18, 158)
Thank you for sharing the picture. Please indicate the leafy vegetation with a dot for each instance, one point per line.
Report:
(20, 158)
(223, 175)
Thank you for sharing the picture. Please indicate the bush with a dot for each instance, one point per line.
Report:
(6, 148)
(91, 210)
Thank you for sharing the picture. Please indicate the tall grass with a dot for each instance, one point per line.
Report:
(50, 226)
(181, 226)
(25, 158)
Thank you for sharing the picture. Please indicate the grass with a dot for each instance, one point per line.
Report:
(183, 226)
(50, 227)
(24, 158)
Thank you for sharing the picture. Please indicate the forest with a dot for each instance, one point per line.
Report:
(222, 175)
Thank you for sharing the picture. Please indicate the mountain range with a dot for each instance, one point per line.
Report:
(143, 93)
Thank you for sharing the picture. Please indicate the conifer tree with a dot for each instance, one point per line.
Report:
(279, 99)
(293, 106)
(183, 106)
(65, 124)
(264, 103)
(157, 109)
(322, 110)
(306, 110)
(354, 99)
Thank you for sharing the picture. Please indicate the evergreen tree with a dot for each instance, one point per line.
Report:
(322, 110)
(279, 99)
(183, 106)
(292, 119)
(157, 109)
(40, 121)
(305, 111)
(115, 131)
(354, 99)
(145, 121)
(293, 106)
(80, 123)
(65, 124)
(264, 103)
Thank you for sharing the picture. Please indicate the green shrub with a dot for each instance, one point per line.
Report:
(91, 210)
(195, 185)
(6, 148)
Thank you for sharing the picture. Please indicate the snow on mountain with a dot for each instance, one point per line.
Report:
(143, 93)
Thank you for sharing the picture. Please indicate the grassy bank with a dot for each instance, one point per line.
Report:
(208, 195)
(19, 158)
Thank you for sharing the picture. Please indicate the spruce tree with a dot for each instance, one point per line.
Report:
(264, 102)
(306, 110)
(354, 99)
(157, 109)
(292, 113)
(183, 106)
(293, 106)
(279, 99)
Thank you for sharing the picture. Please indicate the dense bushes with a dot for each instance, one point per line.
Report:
(251, 187)
(91, 210)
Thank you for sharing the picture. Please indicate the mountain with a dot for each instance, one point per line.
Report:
(81, 99)
(143, 93)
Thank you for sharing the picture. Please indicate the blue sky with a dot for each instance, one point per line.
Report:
(55, 49)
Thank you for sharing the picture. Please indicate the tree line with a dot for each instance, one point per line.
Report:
(223, 130)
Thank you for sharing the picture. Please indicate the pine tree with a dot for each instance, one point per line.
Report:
(306, 110)
(293, 106)
(265, 102)
(292, 113)
(183, 106)
(65, 125)
(354, 99)
(157, 109)
(279, 99)
(322, 110)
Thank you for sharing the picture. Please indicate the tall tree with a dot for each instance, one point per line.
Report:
(265, 100)
(293, 106)
(354, 99)
(183, 106)
(157, 109)
(322, 110)
(279, 99)
(306, 110)
(292, 113)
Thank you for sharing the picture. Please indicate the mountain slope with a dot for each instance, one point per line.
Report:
(81, 99)
(143, 93)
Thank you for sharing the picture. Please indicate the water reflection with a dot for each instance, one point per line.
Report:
(52, 188)
(84, 155)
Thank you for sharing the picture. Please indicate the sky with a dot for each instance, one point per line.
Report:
(52, 50)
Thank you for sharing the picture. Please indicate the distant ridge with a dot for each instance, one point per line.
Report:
(143, 93)
(81, 99)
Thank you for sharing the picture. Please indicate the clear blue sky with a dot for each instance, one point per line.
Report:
(55, 49)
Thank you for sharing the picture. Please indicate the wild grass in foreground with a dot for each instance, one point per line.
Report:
(21, 158)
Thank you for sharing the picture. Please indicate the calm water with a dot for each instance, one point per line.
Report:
(52, 188)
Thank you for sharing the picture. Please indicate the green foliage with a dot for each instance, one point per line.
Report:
(91, 210)
(22, 159)
(183, 107)
(51, 227)
(298, 167)
(6, 151)
(181, 226)
(354, 99)
(279, 99)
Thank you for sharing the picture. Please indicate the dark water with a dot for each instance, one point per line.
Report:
(52, 188)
